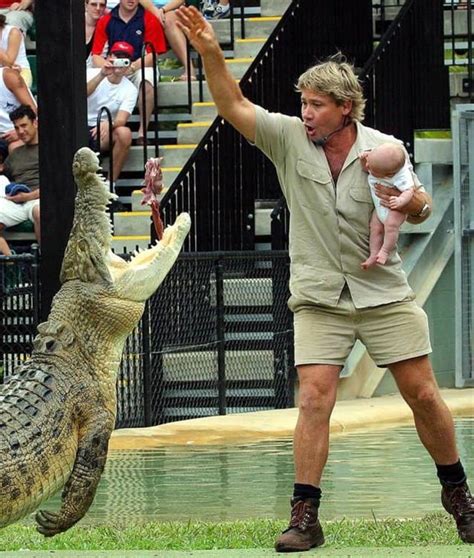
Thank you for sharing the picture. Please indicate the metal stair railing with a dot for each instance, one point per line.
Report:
(155, 100)
(459, 40)
(108, 114)
(406, 83)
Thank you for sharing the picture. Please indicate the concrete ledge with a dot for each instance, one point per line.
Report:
(434, 150)
(348, 416)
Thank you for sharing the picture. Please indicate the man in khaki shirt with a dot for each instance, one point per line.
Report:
(335, 302)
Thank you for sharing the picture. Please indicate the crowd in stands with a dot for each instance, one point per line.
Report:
(115, 33)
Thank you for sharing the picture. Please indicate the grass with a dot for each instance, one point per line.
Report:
(436, 529)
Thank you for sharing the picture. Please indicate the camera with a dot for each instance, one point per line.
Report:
(120, 62)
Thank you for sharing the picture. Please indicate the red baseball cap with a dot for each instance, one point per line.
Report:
(123, 47)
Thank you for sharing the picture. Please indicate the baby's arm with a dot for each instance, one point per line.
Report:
(397, 202)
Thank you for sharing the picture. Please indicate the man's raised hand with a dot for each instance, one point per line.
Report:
(198, 30)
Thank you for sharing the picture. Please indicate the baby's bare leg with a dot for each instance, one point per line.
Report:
(392, 229)
(375, 241)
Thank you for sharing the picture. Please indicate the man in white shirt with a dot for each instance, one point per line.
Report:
(108, 87)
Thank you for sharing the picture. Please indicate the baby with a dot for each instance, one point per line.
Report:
(387, 164)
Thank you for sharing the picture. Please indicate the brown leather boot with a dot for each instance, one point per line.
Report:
(457, 501)
(304, 531)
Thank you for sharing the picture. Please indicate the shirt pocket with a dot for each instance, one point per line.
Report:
(316, 190)
(363, 208)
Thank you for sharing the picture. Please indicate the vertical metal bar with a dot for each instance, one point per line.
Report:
(62, 128)
(232, 30)
(200, 77)
(147, 380)
(242, 19)
(453, 34)
(36, 284)
(220, 327)
(111, 153)
(188, 76)
(470, 52)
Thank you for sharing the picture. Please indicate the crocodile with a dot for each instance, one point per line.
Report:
(57, 411)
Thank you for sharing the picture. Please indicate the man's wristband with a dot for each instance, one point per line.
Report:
(423, 211)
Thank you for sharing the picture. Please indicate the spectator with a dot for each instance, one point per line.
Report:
(216, 9)
(13, 93)
(107, 86)
(22, 168)
(18, 14)
(130, 22)
(12, 50)
(165, 12)
(95, 9)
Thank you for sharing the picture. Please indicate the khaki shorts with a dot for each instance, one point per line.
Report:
(391, 332)
(136, 77)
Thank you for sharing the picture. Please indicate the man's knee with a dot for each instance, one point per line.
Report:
(315, 400)
(36, 213)
(123, 136)
(423, 397)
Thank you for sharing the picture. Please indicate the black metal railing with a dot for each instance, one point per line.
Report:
(19, 307)
(216, 338)
(108, 114)
(155, 101)
(458, 42)
(221, 181)
(405, 80)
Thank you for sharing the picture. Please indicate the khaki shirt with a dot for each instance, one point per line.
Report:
(329, 223)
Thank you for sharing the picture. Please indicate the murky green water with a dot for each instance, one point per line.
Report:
(386, 473)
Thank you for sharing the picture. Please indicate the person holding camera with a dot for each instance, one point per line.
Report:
(131, 23)
(108, 87)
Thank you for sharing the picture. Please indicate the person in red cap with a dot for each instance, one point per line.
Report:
(108, 87)
(130, 23)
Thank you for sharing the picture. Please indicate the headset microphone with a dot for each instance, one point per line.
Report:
(322, 141)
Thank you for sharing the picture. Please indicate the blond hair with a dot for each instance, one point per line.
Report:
(335, 77)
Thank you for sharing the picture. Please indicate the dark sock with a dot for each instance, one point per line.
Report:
(305, 491)
(451, 475)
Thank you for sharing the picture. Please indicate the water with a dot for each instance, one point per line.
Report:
(384, 473)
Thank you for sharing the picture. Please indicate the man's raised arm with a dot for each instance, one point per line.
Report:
(230, 102)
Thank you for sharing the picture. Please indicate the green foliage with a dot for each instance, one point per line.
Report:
(434, 529)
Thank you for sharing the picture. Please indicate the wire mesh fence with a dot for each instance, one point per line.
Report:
(19, 304)
(463, 163)
(216, 337)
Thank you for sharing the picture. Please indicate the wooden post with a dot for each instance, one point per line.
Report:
(62, 112)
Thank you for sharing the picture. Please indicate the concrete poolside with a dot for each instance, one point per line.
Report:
(359, 414)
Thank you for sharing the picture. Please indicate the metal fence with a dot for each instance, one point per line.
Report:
(216, 338)
(459, 46)
(463, 181)
(405, 79)
(19, 306)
